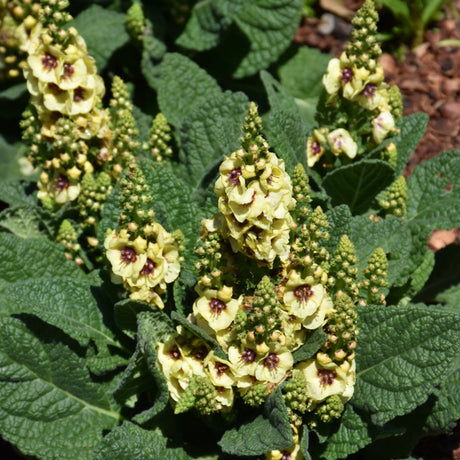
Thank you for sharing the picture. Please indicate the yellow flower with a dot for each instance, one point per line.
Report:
(324, 379)
(243, 359)
(317, 319)
(291, 453)
(331, 79)
(340, 141)
(126, 256)
(61, 190)
(145, 294)
(219, 371)
(216, 308)
(302, 296)
(273, 367)
(382, 125)
(314, 151)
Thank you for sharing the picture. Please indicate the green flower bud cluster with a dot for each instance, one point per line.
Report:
(308, 249)
(54, 17)
(300, 187)
(329, 410)
(375, 278)
(123, 126)
(135, 21)
(136, 202)
(252, 142)
(393, 200)
(201, 395)
(18, 22)
(95, 188)
(68, 237)
(295, 394)
(395, 102)
(261, 322)
(209, 251)
(363, 49)
(344, 268)
(256, 395)
(390, 154)
(341, 329)
(160, 138)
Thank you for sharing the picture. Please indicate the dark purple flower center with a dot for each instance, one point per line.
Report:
(272, 361)
(315, 148)
(326, 376)
(200, 353)
(148, 268)
(61, 183)
(49, 62)
(248, 356)
(174, 352)
(79, 94)
(217, 306)
(128, 255)
(68, 70)
(234, 175)
(303, 293)
(220, 368)
(286, 455)
(346, 75)
(369, 90)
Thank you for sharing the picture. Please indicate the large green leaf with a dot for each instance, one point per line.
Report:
(25, 260)
(266, 432)
(434, 192)
(391, 234)
(285, 130)
(49, 407)
(412, 128)
(302, 77)
(269, 26)
(209, 132)
(9, 156)
(62, 302)
(104, 32)
(402, 354)
(131, 442)
(23, 221)
(357, 184)
(182, 87)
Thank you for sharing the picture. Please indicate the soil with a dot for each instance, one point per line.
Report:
(428, 77)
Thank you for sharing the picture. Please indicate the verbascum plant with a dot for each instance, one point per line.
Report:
(359, 109)
(144, 257)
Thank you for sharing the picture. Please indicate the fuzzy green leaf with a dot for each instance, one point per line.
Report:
(62, 413)
(412, 128)
(24, 260)
(302, 77)
(9, 156)
(339, 219)
(131, 442)
(173, 204)
(62, 302)
(152, 329)
(266, 432)
(402, 354)
(357, 184)
(199, 332)
(204, 27)
(176, 96)
(311, 345)
(446, 411)
(22, 221)
(269, 26)
(209, 132)
(18, 193)
(104, 32)
(434, 192)
(391, 234)
(285, 130)
(450, 297)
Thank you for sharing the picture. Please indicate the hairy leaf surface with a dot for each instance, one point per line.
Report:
(402, 354)
(62, 413)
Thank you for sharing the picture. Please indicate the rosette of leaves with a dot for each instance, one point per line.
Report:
(81, 361)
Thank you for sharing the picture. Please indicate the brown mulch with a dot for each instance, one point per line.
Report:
(428, 77)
